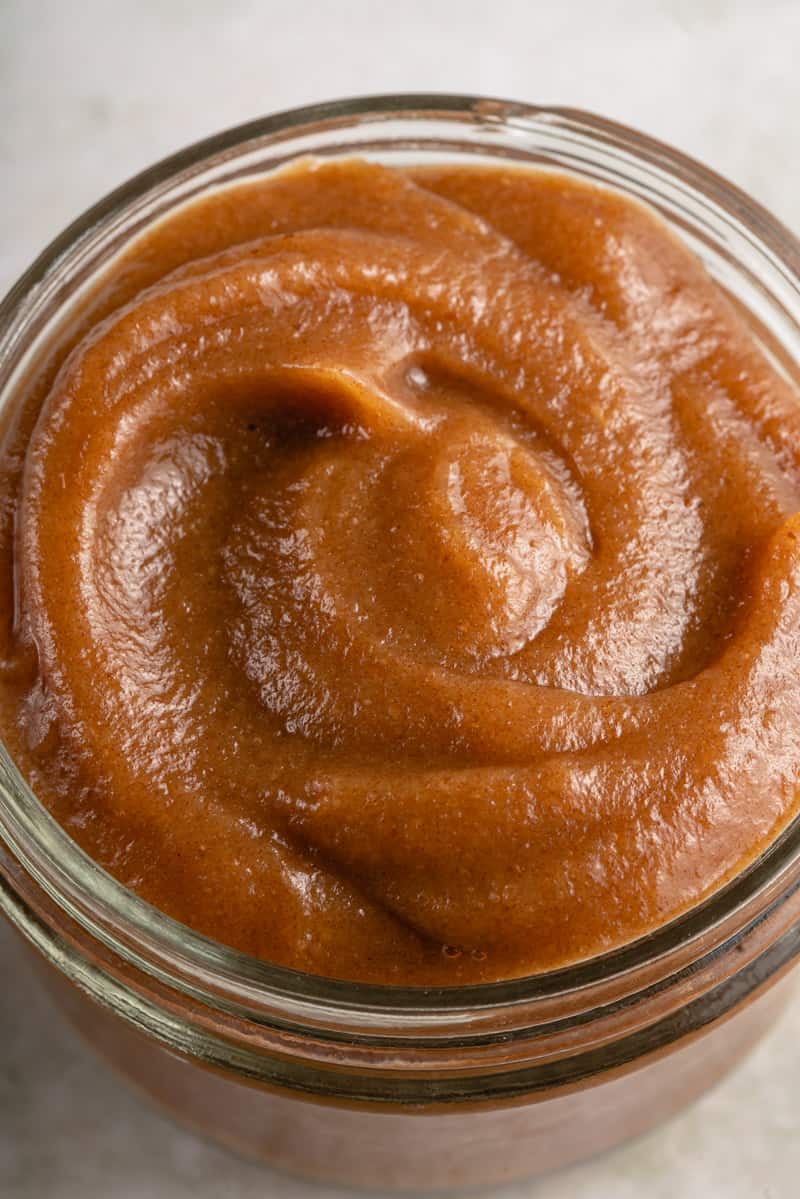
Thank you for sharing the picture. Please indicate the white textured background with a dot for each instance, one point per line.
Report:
(90, 92)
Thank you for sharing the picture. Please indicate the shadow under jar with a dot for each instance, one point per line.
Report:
(405, 1087)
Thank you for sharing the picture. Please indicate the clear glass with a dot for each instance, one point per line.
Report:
(418, 1087)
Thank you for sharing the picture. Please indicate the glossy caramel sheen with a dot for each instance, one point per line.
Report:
(406, 574)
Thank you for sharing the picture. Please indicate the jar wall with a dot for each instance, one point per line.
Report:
(421, 1148)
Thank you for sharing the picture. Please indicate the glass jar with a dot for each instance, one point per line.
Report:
(422, 1087)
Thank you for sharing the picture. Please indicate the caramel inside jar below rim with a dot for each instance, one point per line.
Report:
(405, 574)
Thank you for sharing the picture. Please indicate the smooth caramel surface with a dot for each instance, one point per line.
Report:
(402, 576)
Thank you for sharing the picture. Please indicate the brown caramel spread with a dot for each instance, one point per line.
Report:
(404, 573)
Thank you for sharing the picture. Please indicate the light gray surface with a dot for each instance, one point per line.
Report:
(91, 92)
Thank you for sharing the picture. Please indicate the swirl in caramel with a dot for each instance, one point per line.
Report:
(406, 574)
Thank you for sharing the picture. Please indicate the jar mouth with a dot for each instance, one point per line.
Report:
(130, 926)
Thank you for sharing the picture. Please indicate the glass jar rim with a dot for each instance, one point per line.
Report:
(175, 953)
